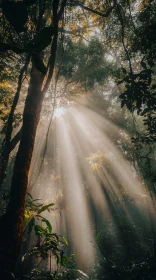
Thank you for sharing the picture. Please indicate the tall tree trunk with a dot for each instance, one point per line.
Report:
(7, 146)
(12, 222)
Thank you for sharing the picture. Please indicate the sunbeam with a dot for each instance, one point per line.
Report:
(88, 177)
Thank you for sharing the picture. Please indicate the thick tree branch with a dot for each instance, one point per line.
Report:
(61, 11)
(15, 101)
(8, 145)
(123, 38)
(106, 14)
(51, 62)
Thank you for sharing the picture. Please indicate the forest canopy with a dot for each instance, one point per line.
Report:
(77, 143)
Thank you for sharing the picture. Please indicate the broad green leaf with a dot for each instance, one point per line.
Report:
(45, 207)
(65, 240)
(73, 255)
(39, 230)
(48, 225)
(65, 260)
(30, 195)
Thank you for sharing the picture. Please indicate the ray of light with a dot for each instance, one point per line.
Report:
(81, 137)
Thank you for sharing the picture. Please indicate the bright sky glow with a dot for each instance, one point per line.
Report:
(109, 57)
(59, 112)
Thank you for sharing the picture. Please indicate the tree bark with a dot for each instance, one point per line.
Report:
(7, 147)
(12, 222)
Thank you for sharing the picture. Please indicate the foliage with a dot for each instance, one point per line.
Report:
(129, 36)
(48, 245)
(67, 274)
(112, 263)
(99, 160)
(132, 271)
(20, 18)
(80, 60)
(47, 242)
(139, 94)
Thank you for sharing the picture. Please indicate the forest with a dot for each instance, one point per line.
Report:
(77, 139)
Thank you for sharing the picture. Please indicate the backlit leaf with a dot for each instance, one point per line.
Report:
(45, 207)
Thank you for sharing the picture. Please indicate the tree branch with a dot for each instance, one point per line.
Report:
(123, 38)
(61, 11)
(51, 62)
(106, 14)
(15, 101)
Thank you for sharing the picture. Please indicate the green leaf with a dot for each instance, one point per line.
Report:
(73, 255)
(39, 64)
(48, 225)
(45, 207)
(55, 235)
(39, 230)
(25, 220)
(30, 195)
(44, 38)
(65, 240)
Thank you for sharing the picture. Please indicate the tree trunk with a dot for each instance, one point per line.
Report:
(12, 222)
(6, 146)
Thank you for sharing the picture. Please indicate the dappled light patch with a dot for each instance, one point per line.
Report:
(99, 160)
